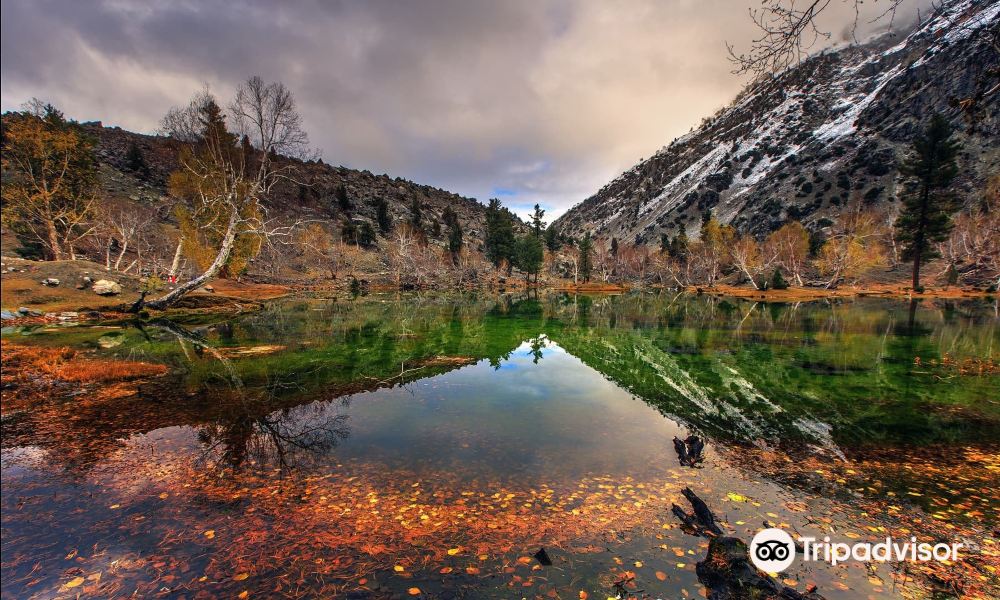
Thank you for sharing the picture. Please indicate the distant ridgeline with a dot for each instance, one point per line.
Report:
(804, 144)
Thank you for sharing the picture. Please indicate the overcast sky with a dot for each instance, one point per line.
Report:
(529, 101)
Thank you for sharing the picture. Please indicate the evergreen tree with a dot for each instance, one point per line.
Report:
(585, 264)
(778, 281)
(536, 221)
(135, 161)
(679, 247)
(552, 239)
(366, 235)
(500, 242)
(529, 255)
(925, 218)
(382, 216)
(706, 216)
(349, 233)
(416, 214)
(614, 246)
(455, 240)
(342, 200)
(664, 243)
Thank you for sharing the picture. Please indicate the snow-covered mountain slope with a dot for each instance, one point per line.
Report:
(805, 143)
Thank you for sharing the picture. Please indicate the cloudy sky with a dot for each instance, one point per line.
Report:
(529, 101)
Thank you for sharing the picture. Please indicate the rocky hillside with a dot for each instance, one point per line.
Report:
(313, 194)
(803, 144)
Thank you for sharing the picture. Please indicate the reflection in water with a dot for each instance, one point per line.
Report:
(316, 445)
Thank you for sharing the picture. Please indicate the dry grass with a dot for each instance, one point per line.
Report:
(33, 373)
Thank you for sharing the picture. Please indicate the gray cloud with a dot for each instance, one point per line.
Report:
(532, 100)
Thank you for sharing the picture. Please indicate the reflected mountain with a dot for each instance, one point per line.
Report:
(262, 387)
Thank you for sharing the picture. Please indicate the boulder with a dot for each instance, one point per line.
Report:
(85, 283)
(50, 282)
(27, 312)
(105, 287)
(6, 315)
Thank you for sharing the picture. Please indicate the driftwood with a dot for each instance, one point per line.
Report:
(727, 574)
(690, 451)
(701, 521)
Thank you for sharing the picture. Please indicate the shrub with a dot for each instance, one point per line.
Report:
(778, 281)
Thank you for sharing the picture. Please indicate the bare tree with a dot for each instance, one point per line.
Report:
(184, 123)
(747, 257)
(855, 245)
(788, 247)
(226, 193)
(788, 30)
(266, 114)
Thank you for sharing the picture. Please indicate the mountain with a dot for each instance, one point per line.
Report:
(831, 130)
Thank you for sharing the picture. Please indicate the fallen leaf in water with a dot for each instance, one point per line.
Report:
(413, 591)
(472, 570)
(453, 551)
(210, 533)
(72, 583)
(399, 568)
(737, 497)
(445, 570)
(638, 564)
(243, 594)
(241, 576)
(583, 595)
(661, 575)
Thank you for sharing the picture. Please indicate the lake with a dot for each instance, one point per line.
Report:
(429, 446)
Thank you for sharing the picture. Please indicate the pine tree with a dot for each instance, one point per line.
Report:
(382, 216)
(416, 214)
(529, 255)
(679, 247)
(586, 265)
(455, 240)
(925, 218)
(778, 281)
(342, 200)
(614, 246)
(500, 242)
(536, 221)
(664, 243)
(552, 241)
(366, 235)
(135, 161)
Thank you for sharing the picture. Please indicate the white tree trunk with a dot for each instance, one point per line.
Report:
(225, 249)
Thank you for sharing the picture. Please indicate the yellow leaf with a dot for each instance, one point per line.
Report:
(210, 533)
(72, 583)
(399, 568)
(414, 591)
(243, 594)
(737, 497)
(453, 551)
(241, 576)
(638, 564)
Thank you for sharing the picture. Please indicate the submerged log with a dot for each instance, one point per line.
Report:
(690, 451)
(727, 574)
(702, 520)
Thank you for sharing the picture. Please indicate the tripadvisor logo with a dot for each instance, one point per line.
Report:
(773, 550)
